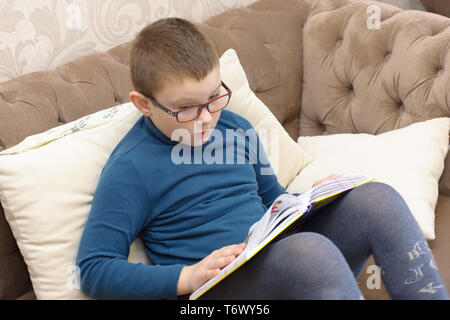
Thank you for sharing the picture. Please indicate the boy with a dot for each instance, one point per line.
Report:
(193, 218)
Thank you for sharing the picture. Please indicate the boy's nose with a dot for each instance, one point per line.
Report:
(205, 115)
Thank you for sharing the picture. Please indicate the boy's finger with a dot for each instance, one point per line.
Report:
(221, 262)
(212, 273)
(233, 249)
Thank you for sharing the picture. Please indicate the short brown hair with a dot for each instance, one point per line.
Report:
(169, 49)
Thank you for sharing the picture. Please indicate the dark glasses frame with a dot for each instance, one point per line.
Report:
(201, 106)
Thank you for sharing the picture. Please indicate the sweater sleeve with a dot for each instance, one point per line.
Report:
(119, 211)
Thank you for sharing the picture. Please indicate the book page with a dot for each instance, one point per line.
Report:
(335, 185)
(280, 207)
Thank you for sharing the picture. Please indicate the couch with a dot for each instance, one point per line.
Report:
(437, 6)
(278, 43)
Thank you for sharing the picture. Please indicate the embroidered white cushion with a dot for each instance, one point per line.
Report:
(410, 159)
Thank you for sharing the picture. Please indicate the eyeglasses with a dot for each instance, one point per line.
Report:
(190, 113)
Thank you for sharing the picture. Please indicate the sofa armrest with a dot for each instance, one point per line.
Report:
(444, 182)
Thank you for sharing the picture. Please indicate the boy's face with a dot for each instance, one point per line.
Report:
(174, 96)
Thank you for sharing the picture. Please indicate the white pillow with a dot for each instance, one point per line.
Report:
(47, 183)
(46, 190)
(286, 157)
(410, 159)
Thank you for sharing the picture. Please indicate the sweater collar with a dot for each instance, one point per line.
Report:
(157, 133)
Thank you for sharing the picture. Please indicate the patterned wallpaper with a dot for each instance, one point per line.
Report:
(406, 4)
(42, 34)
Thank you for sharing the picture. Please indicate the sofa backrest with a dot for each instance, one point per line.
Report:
(267, 36)
(360, 77)
(363, 80)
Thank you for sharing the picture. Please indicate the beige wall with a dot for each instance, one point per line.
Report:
(41, 34)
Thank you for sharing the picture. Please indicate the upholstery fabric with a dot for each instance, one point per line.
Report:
(438, 6)
(358, 80)
(361, 81)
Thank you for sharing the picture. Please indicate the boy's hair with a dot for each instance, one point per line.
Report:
(169, 49)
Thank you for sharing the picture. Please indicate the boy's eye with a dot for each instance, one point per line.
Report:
(188, 106)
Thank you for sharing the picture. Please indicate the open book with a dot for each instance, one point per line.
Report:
(285, 210)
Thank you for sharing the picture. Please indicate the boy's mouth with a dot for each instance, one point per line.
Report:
(205, 133)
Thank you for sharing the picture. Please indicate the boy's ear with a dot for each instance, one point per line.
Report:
(141, 103)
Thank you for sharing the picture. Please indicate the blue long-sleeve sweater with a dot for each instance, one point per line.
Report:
(181, 212)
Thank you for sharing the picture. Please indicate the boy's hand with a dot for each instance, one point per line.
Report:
(325, 179)
(194, 276)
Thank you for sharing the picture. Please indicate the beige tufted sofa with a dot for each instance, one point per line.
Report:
(313, 62)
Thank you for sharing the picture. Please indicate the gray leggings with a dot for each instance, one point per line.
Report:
(323, 259)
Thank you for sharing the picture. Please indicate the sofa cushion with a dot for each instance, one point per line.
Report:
(46, 187)
(410, 159)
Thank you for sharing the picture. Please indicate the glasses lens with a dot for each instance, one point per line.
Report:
(219, 104)
(188, 114)
(192, 113)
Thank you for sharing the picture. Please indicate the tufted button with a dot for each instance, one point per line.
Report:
(59, 118)
(351, 93)
(339, 42)
(350, 87)
(7, 98)
(440, 70)
(63, 77)
(387, 55)
(267, 45)
(117, 98)
(433, 33)
(322, 126)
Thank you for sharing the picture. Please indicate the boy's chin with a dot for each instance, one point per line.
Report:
(196, 141)
(200, 139)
